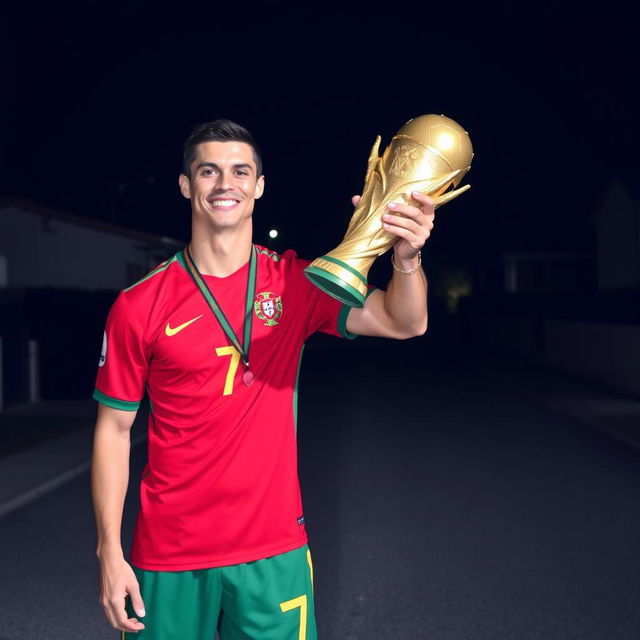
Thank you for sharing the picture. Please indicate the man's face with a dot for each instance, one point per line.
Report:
(223, 184)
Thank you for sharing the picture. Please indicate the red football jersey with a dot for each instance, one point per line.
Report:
(221, 485)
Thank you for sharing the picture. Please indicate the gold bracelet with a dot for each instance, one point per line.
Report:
(410, 272)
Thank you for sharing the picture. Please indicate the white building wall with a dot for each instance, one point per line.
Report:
(48, 252)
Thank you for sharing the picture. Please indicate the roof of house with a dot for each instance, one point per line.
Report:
(23, 204)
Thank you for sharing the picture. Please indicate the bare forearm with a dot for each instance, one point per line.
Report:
(109, 478)
(406, 298)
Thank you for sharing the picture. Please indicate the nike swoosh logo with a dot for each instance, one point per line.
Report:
(172, 331)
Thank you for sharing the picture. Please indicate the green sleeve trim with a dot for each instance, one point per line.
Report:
(342, 322)
(114, 403)
(344, 314)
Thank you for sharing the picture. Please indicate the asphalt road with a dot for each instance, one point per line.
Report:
(439, 506)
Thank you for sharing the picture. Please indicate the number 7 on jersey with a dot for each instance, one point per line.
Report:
(233, 367)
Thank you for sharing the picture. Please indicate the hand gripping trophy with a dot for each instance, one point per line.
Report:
(430, 154)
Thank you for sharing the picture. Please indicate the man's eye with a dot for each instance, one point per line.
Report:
(242, 172)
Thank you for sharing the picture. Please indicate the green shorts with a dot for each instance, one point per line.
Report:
(270, 599)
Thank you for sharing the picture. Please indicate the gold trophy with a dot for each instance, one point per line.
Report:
(430, 154)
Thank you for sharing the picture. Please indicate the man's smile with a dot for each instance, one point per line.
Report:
(223, 203)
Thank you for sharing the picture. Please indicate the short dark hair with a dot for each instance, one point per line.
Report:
(221, 130)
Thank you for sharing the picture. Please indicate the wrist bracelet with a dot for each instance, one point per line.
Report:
(411, 271)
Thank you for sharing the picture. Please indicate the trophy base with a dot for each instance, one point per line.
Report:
(339, 280)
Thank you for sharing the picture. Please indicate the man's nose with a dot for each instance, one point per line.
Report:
(224, 180)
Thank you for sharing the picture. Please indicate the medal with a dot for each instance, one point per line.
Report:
(242, 349)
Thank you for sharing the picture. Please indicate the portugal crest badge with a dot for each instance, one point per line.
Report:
(268, 307)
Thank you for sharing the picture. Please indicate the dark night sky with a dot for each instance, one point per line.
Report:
(100, 99)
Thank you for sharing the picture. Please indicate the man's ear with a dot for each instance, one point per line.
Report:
(259, 187)
(185, 186)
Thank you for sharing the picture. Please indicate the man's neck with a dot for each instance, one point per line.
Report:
(220, 254)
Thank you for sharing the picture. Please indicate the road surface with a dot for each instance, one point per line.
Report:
(439, 504)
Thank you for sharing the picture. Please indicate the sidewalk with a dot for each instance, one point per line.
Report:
(42, 466)
(44, 446)
(27, 425)
(607, 409)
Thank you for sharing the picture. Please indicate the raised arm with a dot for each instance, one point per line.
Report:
(401, 311)
(109, 480)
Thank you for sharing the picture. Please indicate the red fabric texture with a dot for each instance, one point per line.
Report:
(221, 486)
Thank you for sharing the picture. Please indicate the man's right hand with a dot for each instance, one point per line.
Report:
(117, 581)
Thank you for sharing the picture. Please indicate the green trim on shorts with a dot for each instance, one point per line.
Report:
(268, 599)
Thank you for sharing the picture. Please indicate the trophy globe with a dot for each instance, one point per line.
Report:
(430, 154)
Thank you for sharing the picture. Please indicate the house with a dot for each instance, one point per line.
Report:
(59, 274)
(41, 247)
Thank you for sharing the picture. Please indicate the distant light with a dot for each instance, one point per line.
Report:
(273, 233)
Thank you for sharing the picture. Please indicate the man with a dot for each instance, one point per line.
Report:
(215, 336)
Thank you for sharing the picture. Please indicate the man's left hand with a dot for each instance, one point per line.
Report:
(411, 224)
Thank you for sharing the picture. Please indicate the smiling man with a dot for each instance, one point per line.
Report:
(214, 336)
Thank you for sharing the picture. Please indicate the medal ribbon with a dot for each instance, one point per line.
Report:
(243, 349)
